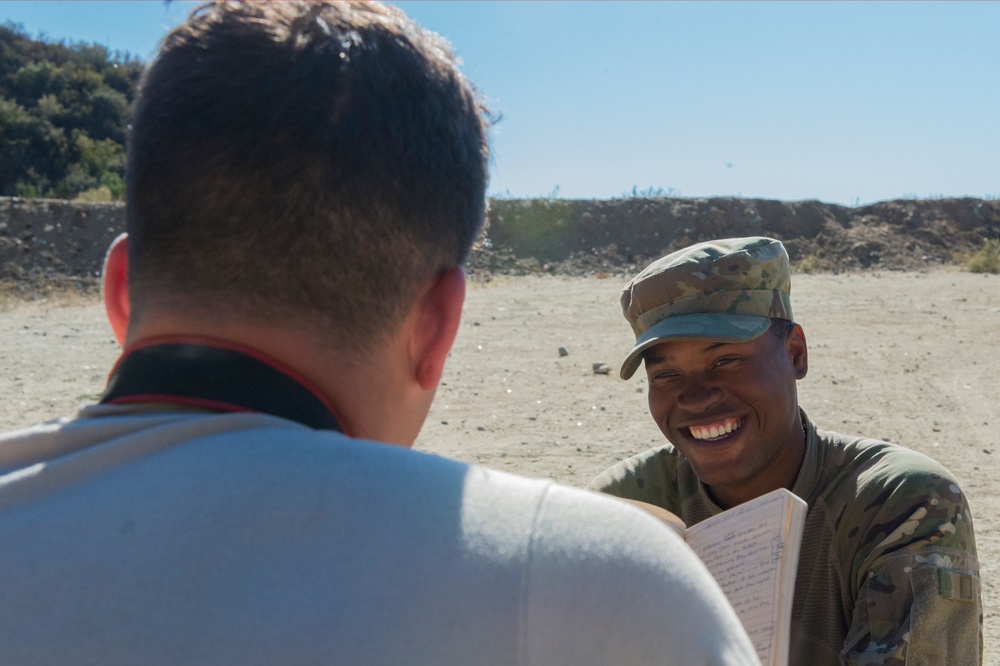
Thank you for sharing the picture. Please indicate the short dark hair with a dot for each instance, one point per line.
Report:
(312, 160)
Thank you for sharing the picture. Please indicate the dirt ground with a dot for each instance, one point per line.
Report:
(907, 357)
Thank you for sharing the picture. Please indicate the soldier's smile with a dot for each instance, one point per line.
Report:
(730, 408)
(716, 431)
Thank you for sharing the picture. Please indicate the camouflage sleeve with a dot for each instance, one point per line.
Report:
(643, 477)
(916, 575)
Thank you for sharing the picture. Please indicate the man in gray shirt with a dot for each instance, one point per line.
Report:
(304, 183)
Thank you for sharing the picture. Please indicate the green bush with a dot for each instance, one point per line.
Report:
(986, 259)
(98, 194)
(63, 116)
(807, 264)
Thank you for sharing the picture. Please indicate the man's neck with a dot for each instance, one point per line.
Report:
(364, 393)
(216, 375)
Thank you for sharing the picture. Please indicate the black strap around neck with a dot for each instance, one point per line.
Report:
(214, 378)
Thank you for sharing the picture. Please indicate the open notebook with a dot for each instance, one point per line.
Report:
(752, 551)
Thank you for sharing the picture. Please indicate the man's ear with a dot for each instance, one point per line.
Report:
(114, 288)
(798, 351)
(437, 315)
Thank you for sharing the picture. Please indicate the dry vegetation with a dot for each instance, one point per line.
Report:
(986, 259)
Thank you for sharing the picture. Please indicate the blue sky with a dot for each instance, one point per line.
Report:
(847, 102)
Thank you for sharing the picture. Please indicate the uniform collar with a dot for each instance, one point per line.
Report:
(807, 482)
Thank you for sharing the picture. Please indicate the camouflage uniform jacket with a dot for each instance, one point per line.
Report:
(888, 572)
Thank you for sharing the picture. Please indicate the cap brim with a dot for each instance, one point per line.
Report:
(702, 326)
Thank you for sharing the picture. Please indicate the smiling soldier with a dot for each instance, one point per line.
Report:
(888, 572)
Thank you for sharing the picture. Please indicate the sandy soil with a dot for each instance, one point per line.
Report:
(907, 357)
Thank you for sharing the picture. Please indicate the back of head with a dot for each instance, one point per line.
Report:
(300, 161)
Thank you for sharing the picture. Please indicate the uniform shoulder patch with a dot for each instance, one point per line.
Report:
(956, 585)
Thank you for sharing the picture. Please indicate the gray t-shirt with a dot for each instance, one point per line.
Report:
(137, 536)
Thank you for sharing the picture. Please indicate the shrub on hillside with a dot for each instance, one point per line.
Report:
(63, 116)
(986, 259)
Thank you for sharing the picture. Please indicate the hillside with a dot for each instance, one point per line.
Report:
(45, 241)
(583, 237)
(63, 117)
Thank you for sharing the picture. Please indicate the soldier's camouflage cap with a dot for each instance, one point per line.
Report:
(726, 290)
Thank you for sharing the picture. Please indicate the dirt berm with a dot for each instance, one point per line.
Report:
(45, 240)
(586, 237)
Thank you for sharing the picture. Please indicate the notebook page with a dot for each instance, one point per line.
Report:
(742, 549)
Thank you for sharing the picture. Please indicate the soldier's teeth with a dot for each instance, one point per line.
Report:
(715, 430)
